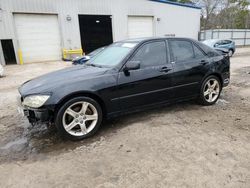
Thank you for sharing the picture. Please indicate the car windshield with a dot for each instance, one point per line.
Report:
(95, 52)
(112, 55)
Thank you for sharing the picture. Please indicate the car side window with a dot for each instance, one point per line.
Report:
(151, 54)
(227, 42)
(181, 50)
(198, 53)
(208, 51)
(221, 42)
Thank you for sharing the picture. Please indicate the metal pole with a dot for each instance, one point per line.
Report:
(245, 38)
(20, 55)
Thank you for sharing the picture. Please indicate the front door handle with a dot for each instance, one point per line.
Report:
(165, 69)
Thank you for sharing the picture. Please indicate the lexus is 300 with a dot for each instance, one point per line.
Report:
(125, 77)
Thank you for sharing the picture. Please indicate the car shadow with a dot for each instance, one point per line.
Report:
(35, 143)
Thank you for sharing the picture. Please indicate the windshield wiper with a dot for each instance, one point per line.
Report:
(94, 65)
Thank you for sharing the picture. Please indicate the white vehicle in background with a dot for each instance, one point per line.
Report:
(1, 70)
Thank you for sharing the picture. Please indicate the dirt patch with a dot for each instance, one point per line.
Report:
(182, 145)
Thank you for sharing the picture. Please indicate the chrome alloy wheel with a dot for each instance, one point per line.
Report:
(211, 90)
(80, 118)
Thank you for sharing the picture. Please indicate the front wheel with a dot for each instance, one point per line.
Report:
(79, 118)
(210, 91)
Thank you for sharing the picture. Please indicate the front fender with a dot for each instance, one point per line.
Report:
(101, 87)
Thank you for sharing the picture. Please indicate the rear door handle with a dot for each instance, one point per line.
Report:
(204, 62)
(165, 69)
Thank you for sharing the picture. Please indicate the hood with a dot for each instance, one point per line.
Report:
(49, 82)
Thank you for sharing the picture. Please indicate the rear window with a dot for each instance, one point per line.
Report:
(198, 53)
(208, 50)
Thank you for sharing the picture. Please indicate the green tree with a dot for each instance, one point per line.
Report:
(241, 13)
(235, 15)
(228, 14)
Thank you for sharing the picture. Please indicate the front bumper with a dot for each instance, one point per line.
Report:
(43, 115)
(37, 115)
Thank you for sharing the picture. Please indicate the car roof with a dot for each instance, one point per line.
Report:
(144, 39)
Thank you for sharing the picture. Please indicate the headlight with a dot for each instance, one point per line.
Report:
(35, 101)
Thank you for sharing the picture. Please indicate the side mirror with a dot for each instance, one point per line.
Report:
(216, 45)
(132, 65)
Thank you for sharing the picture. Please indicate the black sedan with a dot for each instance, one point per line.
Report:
(126, 76)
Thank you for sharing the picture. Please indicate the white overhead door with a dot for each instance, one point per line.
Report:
(140, 26)
(38, 37)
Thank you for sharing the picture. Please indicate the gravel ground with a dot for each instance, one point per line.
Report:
(182, 145)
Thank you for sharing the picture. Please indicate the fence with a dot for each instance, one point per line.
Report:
(240, 36)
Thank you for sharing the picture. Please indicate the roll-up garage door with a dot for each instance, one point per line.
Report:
(38, 37)
(140, 26)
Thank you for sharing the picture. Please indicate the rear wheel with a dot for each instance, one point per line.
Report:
(79, 118)
(210, 91)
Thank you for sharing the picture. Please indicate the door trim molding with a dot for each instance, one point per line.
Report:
(154, 91)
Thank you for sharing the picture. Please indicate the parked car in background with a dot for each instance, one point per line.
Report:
(1, 70)
(83, 59)
(125, 77)
(218, 43)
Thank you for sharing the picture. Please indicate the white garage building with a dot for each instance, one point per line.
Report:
(39, 30)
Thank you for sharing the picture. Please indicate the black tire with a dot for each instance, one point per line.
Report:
(60, 114)
(202, 100)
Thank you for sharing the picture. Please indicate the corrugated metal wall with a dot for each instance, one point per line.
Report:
(181, 21)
